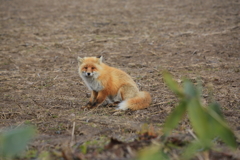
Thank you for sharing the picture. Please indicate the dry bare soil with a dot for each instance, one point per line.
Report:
(41, 40)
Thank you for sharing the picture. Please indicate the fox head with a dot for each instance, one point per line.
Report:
(89, 66)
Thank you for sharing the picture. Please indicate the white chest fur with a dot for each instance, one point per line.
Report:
(92, 83)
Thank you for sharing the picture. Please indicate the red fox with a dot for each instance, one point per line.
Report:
(111, 84)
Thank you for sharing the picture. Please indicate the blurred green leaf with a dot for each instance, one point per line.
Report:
(14, 141)
(226, 135)
(191, 150)
(199, 120)
(173, 85)
(190, 90)
(44, 155)
(174, 118)
(208, 123)
(220, 128)
(84, 147)
(216, 108)
(153, 153)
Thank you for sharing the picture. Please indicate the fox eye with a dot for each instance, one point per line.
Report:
(85, 67)
(93, 67)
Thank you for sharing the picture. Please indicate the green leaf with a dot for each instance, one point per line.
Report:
(209, 123)
(153, 153)
(190, 151)
(216, 108)
(226, 135)
(173, 85)
(174, 118)
(221, 129)
(190, 90)
(45, 155)
(84, 147)
(199, 121)
(14, 141)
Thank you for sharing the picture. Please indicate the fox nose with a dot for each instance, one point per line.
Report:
(88, 74)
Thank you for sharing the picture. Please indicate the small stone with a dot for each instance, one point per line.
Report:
(144, 64)
(131, 64)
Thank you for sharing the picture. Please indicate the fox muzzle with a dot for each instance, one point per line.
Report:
(88, 74)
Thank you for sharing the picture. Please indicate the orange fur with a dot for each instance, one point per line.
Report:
(111, 84)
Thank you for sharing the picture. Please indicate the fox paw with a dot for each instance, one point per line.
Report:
(87, 106)
(115, 104)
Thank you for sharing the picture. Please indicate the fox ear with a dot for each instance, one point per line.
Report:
(100, 59)
(80, 60)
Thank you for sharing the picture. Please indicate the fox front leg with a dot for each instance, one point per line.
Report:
(101, 96)
(92, 100)
(93, 97)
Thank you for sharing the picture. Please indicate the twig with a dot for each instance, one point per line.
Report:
(154, 113)
(221, 18)
(91, 110)
(191, 132)
(200, 157)
(73, 130)
(69, 49)
(153, 53)
(19, 106)
(4, 115)
(20, 124)
(38, 104)
(55, 77)
(160, 103)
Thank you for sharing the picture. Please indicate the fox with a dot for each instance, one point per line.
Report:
(111, 85)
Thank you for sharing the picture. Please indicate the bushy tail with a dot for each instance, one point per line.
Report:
(141, 101)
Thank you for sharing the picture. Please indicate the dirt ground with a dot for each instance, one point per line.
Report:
(41, 40)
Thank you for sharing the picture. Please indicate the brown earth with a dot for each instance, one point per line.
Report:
(41, 40)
